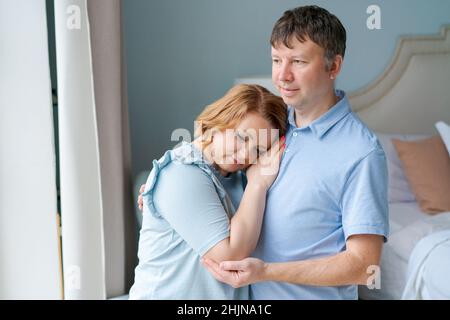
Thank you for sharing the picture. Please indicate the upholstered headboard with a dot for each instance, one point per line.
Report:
(411, 95)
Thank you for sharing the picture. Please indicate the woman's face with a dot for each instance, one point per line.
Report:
(236, 149)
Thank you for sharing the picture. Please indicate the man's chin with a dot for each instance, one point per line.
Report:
(290, 100)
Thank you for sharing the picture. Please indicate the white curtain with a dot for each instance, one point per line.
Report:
(97, 220)
(98, 253)
(29, 253)
(81, 205)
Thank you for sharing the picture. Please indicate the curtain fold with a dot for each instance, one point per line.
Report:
(97, 221)
(115, 162)
(80, 179)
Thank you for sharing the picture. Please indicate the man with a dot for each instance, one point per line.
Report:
(326, 214)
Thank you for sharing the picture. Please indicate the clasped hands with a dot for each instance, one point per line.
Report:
(237, 273)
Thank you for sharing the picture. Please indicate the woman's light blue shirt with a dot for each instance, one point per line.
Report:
(187, 208)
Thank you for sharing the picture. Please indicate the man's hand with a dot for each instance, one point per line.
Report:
(236, 273)
(140, 201)
(349, 267)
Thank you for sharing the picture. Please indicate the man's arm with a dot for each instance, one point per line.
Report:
(349, 267)
(345, 268)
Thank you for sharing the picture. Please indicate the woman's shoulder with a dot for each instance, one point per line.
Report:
(178, 170)
(181, 172)
(178, 163)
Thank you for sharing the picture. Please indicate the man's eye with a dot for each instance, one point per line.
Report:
(299, 62)
(275, 61)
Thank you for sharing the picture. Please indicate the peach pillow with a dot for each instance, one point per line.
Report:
(427, 168)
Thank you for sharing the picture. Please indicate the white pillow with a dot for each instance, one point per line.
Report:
(444, 131)
(398, 187)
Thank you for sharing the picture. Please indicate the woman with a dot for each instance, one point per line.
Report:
(192, 193)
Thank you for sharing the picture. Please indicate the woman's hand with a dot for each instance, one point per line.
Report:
(140, 201)
(265, 170)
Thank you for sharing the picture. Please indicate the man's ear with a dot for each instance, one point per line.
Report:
(335, 66)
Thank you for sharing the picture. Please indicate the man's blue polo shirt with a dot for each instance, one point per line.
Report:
(332, 184)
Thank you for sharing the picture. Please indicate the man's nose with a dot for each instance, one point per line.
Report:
(285, 73)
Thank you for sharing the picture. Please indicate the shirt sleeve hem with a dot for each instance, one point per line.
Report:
(366, 229)
(212, 242)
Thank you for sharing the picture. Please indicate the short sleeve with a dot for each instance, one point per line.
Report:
(364, 200)
(185, 196)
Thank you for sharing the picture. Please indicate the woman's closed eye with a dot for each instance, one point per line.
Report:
(261, 151)
(242, 137)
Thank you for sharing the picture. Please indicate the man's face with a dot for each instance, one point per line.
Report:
(300, 73)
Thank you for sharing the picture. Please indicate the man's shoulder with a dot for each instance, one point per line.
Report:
(358, 139)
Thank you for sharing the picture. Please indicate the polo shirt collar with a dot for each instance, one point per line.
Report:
(322, 124)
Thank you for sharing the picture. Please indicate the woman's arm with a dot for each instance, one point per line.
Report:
(245, 226)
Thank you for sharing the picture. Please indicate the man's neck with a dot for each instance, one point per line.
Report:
(305, 115)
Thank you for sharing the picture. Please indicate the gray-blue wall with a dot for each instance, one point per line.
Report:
(184, 54)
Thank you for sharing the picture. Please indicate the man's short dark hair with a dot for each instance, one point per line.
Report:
(312, 22)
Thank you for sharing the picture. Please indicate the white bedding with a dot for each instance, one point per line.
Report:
(403, 214)
(428, 268)
(408, 226)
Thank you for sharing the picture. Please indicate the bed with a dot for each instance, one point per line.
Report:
(405, 102)
(410, 96)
